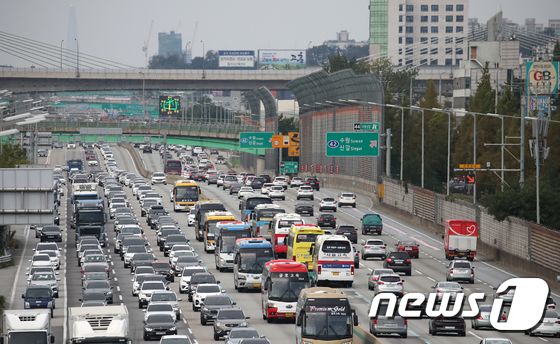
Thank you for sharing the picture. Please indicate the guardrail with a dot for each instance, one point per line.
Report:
(6, 259)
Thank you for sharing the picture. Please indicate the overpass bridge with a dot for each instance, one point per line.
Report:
(25, 80)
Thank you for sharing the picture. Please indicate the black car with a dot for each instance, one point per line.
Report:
(163, 234)
(313, 182)
(266, 177)
(147, 149)
(141, 259)
(200, 278)
(174, 239)
(155, 211)
(157, 325)
(257, 183)
(164, 269)
(326, 220)
(51, 234)
(348, 231)
(211, 306)
(304, 209)
(399, 262)
(447, 324)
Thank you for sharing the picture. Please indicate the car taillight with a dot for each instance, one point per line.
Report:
(407, 260)
(318, 269)
(389, 260)
(380, 282)
(503, 317)
(480, 317)
(374, 321)
(352, 270)
(401, 248)
(294, 258)
(451, 271)
(405, 322)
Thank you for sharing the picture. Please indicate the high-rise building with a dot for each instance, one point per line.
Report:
(419, 32)
(169, 43)
(554, 25)
(343, 41)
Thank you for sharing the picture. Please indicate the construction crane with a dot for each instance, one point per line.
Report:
(190, 44)
(147, 43)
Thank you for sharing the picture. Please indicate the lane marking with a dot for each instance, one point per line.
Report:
(543, 339)
(120, 297)
(118, 288)
(431, 279)
(419, 272)
(20, 264)
(474, 334)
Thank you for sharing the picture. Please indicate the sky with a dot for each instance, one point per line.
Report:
(116, 29)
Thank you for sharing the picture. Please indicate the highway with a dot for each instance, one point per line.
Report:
(427, 270)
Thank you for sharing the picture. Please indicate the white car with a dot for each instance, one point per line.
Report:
(282, 181)
(71, 146)
(202, 291)
(92, 163)
(266, 188)
(191, 218)
(186, 275)
(159, 178)
(550, 325)
(327, 203)
(276, 192)
(347, 199)
(175, 339)
(245, 190)
(305, 191)
(296, 182)
(159, 308)
(40, 260)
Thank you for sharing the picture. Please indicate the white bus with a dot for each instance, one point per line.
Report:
(333, 260)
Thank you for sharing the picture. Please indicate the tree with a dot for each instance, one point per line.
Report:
(167, 62)
(340, 61)
(556, 52)
(12, 155)
(287, 124)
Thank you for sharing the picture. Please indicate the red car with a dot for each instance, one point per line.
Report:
(411, 247)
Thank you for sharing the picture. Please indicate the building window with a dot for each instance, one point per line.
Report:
(460, 19)
(448, 50)
(434, 51)
(400, 62)
(435, 19)
(457, 62)
(435, 29)
(448, 62)
(423, 62)
(459, 29)
(459, 51)
(424, 39)
(423, 29)
(400, 40)
(409, 40)
(424, 19)
(449, 19)
(460, 8)
(449, 8)
(410, 8)
(435, 8)
(424, 8)
(409, 19)
(449, 29)
(433, 62)
(408, 62)
(424, 51)
(400, 7)
(409, 51)
(400, 29)
(409, 29)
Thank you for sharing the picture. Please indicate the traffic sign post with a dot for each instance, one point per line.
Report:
(255, 140)
(469, 166)
(289, 167)
(351, 144)
(373, 126)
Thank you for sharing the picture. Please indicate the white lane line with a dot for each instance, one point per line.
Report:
(543, 339)
(431, 279)
(113, 271)
(118, 288)
(20, 264)
(190, 331)
(185, 321)
(115, 279)
(474, 334)
(419, 272)
(120, 297)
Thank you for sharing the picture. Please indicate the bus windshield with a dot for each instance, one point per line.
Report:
(228, 241)
(286, 286)
(253, 263)
(306, 237)
(186, 193)
(327, 326)
(268, 214)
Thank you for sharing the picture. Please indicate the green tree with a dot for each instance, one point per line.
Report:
(12, 155)
(287, 124)
(167, 62)
(340, 61)
(556, 52)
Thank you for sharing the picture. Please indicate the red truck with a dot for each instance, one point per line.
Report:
(459, 240)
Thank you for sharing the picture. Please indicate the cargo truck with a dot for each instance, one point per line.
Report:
(90, 219)
(25, 326)
(107, 325)
(460, 238)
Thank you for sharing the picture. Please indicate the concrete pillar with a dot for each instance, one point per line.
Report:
(259, 165)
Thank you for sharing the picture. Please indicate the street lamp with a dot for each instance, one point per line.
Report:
(62, 41)
(77, 58)
(414, 107)
(203, 60)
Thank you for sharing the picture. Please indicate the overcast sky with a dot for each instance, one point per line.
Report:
(116, 29)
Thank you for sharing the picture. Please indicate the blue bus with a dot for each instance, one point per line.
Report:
(250, 256)
(227, 232)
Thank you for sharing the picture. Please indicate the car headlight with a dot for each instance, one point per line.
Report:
(172, 329)
(148, 329)
(205, 309)
(244, 324)
(242, 277)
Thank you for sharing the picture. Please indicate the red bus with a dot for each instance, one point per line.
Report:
(173, 167)
(282, 280)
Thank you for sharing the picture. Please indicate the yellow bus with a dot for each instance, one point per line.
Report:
(300, 240)
(185, 194)
(211, 220)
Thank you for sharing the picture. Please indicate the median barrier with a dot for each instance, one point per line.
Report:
(362, 336)
(138, 162)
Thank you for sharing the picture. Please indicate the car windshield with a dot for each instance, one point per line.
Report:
(41, 257)
(347, 195)
(38, 292)
(47, 247)
(231, 314)
(42, 277)
(163, 307)
(382, 271)
(244, 333)
(208, 289)
(449, 285)
(95, 268)
(164, 297)
(336, 246)
(160, 318)
(217, 300)
(96, 258)
(187, 259)
(98, 285)
(375, 243)
(328, 199)
(152, 286)
(136, 249)
(190, 272)
(143, 256)
(462, 265)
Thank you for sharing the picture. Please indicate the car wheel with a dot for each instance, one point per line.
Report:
(462, 334)
(202, 321)
(354, 205)
(216, 336)
(139, 305)
(474, 326)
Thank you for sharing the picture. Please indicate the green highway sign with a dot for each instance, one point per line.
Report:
(289, 167)
(258, 139)
(352, 144)
(374, 126)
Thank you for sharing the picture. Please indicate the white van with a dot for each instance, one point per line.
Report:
(333, 260)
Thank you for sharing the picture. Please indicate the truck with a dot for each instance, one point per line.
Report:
(24, 326)
(459, 239)
(75, 165)
(90, 219)
(107, 325)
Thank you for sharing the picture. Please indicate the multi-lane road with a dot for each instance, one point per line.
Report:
(427, 270)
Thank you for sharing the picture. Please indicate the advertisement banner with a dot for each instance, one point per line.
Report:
(236, 59)
(542, 77)
(282, 59)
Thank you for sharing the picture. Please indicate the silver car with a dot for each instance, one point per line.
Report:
(483, 317)
(383, 325)
(236, 335)
(167, 298)
(452, 288)
(48, 279)
(460, 270)
(549, 326)
(374, 248)
(389, 283)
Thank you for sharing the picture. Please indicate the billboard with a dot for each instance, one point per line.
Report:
(542, 77)
(169, 105)
(282, 59)
(236, 58)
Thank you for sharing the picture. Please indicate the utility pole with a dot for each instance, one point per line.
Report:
(388, 152)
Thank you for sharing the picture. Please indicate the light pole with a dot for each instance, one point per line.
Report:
(77, 58)
(413, 107)
(144, 94)
(402, 136)
(448, 112)
(203, 60)
(62, 41)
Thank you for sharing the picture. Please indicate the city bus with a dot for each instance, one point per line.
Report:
(210, 221)
(247, 205)
(261, 218)
(227, 232)
(250, 255)
(173, 167)
(324, 315)
(300, 240)
(185, 194)
(333, 260)
(279, 230)
(282, 280)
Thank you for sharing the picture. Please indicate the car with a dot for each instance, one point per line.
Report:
(131, 250)
(326, 220)
(146, 291)
(375, 248)
(184, 261)
(257, 183)
(39, 296)
(399, 262)
(93, 296)
(43, 259)
(296, 182)
(160, 308)
(389, 283)
(482, 320)
(186, 275)
(191, 218)
(157, 325)
(71, 146)
(226, 319)
(228, 181)
(235, 188)
(304, 209)
(103, 287)
(163, 269)
(348, 231)
(495, 341)
(93, 162)
(276, 192)
(266, 188)
(236, 335)
(141, 259)
(51, 233)
(451, 288)
(549, 325)
(42, 269)
(200, 278)
(347, 199)
(48, 279)
(372, 222)
(147, 149)
(454, 324)
(167, 297)
(305, 191)
(211, 305)
(159, 178)
(42, 152)
(281, 181)
(220, 181)
(384, 325)
(409, 246)
(327, 203)
(244, 191)
(202, 291)
(175, 339)
(460, 270)
(313, 182)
